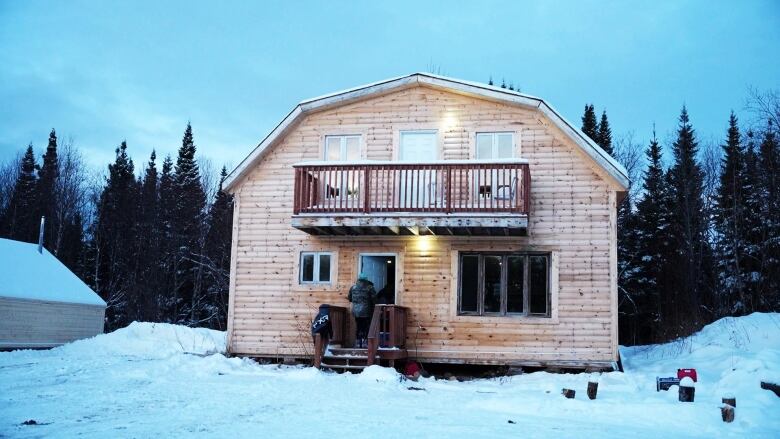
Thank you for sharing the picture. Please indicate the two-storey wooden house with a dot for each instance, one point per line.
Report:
(488, 219)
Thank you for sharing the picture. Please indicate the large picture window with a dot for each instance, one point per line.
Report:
(504, 284)
(314, 267)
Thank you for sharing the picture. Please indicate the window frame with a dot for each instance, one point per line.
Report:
(342, 146)
(480, 312)
(494, 144)
(315, 268)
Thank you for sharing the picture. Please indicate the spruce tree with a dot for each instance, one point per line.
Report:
(72, 250)
(590, 125)
(47, 202)
(20, 220)
(753, 225)
(769, 189)
(654, 248)
(728, 222)
(218, 241)
(689, 223)
(604, 134)
(116, 239)
(166, 290)
(190, 200)
(150, 235)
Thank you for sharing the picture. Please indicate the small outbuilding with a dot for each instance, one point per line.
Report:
(42, 303)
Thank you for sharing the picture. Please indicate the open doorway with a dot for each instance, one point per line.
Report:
(380, 270)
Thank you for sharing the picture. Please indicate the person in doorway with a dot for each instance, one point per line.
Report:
(363, 297)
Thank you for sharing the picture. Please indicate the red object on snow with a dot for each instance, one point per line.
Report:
(691, 373)
(411, 368)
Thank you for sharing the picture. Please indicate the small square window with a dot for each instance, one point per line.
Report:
(315, 267)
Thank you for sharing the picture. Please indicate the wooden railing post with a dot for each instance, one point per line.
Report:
(366, 189)
(318, 348)
(373, 332)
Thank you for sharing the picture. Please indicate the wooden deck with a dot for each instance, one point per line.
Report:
(391, 198)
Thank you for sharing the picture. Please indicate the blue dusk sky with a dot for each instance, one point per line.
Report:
(105, 71)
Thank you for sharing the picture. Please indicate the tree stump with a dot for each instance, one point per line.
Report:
(730, 400)
(568, 393)
(727, 412)
(771, 386)
(593, 388)
(686, 394)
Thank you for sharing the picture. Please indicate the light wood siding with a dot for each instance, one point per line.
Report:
(572, 215)
(40, 324)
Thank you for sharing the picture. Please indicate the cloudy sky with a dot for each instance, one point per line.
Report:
(105, 71)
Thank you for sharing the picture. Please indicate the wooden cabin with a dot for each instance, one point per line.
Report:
(486, 220)
(42, 303)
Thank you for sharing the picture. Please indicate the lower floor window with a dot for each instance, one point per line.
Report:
(314, 267)
(504, 284)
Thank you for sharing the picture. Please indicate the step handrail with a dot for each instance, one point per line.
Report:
(390, 319)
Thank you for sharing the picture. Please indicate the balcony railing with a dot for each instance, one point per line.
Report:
(444, 187)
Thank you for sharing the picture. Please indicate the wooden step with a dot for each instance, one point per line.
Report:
(343, 366)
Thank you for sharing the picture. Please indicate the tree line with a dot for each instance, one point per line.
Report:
(699, 238)
(154, 246)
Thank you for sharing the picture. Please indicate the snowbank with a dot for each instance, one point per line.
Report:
(150, 340)
(163, 380)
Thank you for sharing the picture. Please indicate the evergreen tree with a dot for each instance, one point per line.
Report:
(20, 220)
(166, 289)
(604, 133)
(728, 222)
(150, 234)
(690, 267)
(753, 225)
(47, 201)
(190, 200)
(769, 182)
(590, 125)
(73, 248)
(653, 249)
(115, 240)
(218, 241)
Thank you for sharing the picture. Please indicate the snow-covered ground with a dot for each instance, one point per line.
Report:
(157, 380)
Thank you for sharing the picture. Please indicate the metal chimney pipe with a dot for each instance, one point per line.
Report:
(40, 235)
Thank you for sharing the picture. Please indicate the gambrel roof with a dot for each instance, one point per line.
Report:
(468, 88)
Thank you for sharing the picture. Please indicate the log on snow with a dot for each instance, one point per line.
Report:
(727, 412)
(593, 388)
(568, 393)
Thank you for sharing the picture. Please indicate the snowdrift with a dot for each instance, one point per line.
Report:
(164, 380)
(151, 340)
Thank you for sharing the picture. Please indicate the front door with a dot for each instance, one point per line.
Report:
(380, 270)
(417, 189)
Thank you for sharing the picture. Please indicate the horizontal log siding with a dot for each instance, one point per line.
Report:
(570, 212)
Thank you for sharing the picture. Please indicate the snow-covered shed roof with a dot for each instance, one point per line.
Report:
(27, 274)
(593, 150)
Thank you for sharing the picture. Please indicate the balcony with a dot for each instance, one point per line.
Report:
(452, 197)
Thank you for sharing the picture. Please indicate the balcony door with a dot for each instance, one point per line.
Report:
(497, 184)
(342, 187)
(417, 189)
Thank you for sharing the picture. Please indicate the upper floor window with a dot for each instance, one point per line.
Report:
(504, 284)
(342, 148)
(495, 146)
(315, 267)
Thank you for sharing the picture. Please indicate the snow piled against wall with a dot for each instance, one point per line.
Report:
(159, 380)
(150, 341)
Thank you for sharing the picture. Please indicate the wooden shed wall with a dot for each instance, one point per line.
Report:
(572, 215)
(28, 323)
